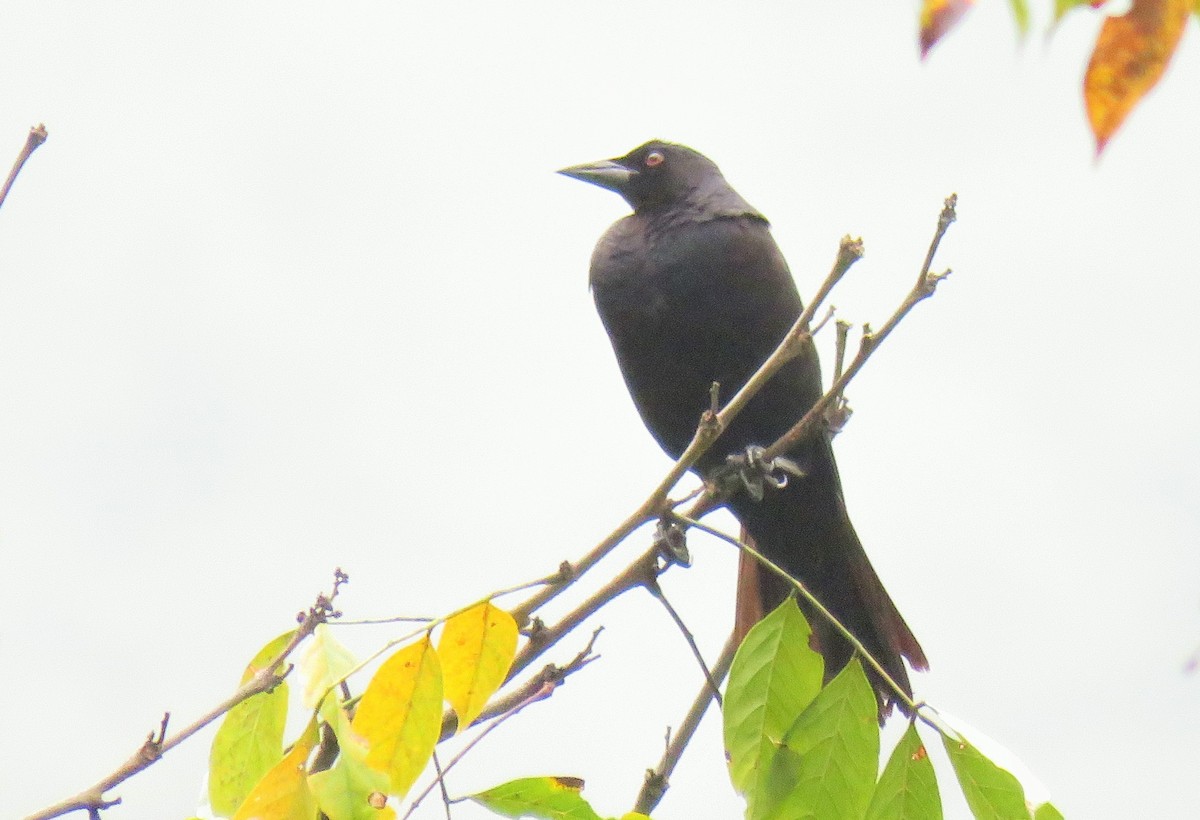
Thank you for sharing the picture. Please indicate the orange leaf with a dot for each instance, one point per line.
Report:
(938, 17)
(476, 650)
(1131, 55)
(400, 714)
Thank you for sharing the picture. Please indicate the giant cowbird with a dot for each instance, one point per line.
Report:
(692, 289)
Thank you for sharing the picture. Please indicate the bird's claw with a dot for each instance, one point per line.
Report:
(751, 472)
(670, 540)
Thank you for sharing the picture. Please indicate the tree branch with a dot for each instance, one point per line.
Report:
(540, 687)
(37, 135)
(710, 427)
(92, 799)
(658, 779)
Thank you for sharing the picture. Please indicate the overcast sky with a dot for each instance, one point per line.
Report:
(293, 287)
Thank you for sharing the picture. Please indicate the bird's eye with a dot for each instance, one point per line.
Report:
(654, 158)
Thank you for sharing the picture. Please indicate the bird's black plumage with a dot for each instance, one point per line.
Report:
(692, 289)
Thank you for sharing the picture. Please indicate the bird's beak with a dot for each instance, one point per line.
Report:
(606, 173)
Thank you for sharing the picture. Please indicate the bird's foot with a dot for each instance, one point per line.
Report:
(751, 472)
(670, 540)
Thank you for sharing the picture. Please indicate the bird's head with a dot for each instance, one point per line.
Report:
(655, 174)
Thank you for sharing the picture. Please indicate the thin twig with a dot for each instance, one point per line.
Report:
(37, 135)
(657, 592)
(658, 779)
(924, 288)
(641, 572)
(548, 674)
(441, 781)
(92, 799)
(543, 693)
(849, 252)
(427, 626)
(543, 690)
(399, 619)
(842, 331)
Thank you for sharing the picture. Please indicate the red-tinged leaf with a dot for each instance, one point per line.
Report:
(283, 792)
(476, 649)
(1131, 54)
(937, 18)
(550, 798)
(400, 714)
(250, 739)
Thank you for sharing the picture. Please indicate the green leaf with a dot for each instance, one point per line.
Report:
(1046, 811)
(835, 743)
(992, 793)
(774, 677)
(323, 662)
(344, 791)
(250, 740)
(907, 789)
(552, 798)
(1020, 16)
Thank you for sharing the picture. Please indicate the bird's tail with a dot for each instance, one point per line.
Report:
(834, 568)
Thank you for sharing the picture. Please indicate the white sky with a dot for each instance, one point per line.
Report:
(294, 287)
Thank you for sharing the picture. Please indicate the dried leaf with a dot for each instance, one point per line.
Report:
(1131, 54)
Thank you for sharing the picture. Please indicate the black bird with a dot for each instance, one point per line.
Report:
(692, 289)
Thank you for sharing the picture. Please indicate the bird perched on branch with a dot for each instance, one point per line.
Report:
(692, 289)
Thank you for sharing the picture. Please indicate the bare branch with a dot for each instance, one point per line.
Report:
(37, 135)
(540, 688)
(657, 592)
(92, 799)
(924, 288)
(658, 779)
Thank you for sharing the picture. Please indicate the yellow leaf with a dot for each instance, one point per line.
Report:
(283, 792)
(1130, 57)
(250, 739)
(476, 650)
(400, 714)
